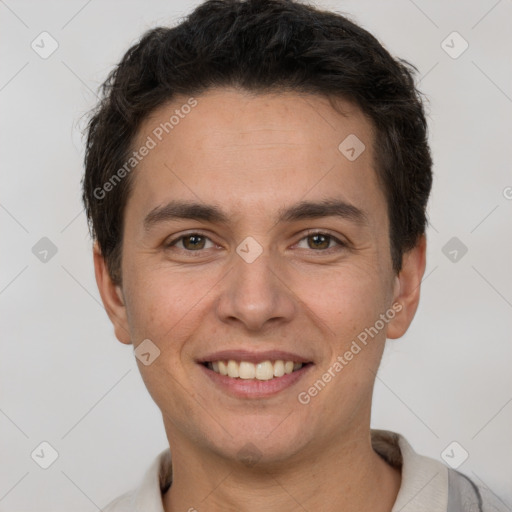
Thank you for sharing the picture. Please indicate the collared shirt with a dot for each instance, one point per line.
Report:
(427, 484)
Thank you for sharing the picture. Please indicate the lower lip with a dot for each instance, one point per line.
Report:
(253, 388)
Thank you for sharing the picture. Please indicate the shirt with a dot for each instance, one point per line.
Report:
(427, 484)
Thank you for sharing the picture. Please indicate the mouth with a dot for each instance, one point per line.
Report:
(248, 370)
(249, 374)
(254, 375)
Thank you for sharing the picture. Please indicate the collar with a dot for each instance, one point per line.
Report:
(424, 486)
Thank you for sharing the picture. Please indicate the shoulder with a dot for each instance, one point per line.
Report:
(123, 503)
(465, 495)
(429, 485)
(147, 497)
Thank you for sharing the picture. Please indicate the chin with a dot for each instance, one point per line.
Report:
(255, 443)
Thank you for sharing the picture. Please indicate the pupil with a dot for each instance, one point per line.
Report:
(193, 240)
(316, 239)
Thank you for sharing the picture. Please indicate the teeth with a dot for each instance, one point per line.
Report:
(247, 370)
(223, 368)
(278, 369)
(233, 369)
(266, 370)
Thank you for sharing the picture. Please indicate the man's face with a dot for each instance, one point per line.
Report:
(269, 282)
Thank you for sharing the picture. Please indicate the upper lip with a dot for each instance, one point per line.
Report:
(253, 357)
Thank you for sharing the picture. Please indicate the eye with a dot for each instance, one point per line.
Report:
(316, 241)
(319, 241)
(191, 242)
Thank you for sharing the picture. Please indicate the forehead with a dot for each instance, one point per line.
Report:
(255, 150)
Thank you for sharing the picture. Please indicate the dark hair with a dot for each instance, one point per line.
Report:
(261, 46)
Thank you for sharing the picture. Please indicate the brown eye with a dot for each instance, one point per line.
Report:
(193, 242)
(319, 241)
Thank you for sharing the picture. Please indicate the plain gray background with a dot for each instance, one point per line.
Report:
(66, 380)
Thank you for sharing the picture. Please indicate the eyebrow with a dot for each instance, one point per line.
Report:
(303, 210)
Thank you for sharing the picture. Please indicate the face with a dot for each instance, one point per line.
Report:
(254, 243)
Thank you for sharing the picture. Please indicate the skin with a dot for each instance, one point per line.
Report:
(252, 155)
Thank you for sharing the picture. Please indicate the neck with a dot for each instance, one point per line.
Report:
(348, 475)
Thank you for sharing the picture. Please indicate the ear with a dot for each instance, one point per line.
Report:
(407, 289)
(111, 296)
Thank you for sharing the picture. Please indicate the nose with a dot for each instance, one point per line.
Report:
(256, 294)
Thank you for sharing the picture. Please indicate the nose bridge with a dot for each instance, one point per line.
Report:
(254, 293)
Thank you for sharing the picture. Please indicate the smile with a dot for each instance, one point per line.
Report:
(264, 370)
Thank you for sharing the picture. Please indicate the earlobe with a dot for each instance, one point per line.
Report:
(407, 288)
(111, 296)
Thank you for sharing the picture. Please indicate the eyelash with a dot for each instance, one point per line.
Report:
(341, 245)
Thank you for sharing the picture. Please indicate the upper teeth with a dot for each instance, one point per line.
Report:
(265, 370)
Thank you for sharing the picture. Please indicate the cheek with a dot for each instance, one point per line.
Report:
(163, 303)
(166, 307)
(346, 299)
